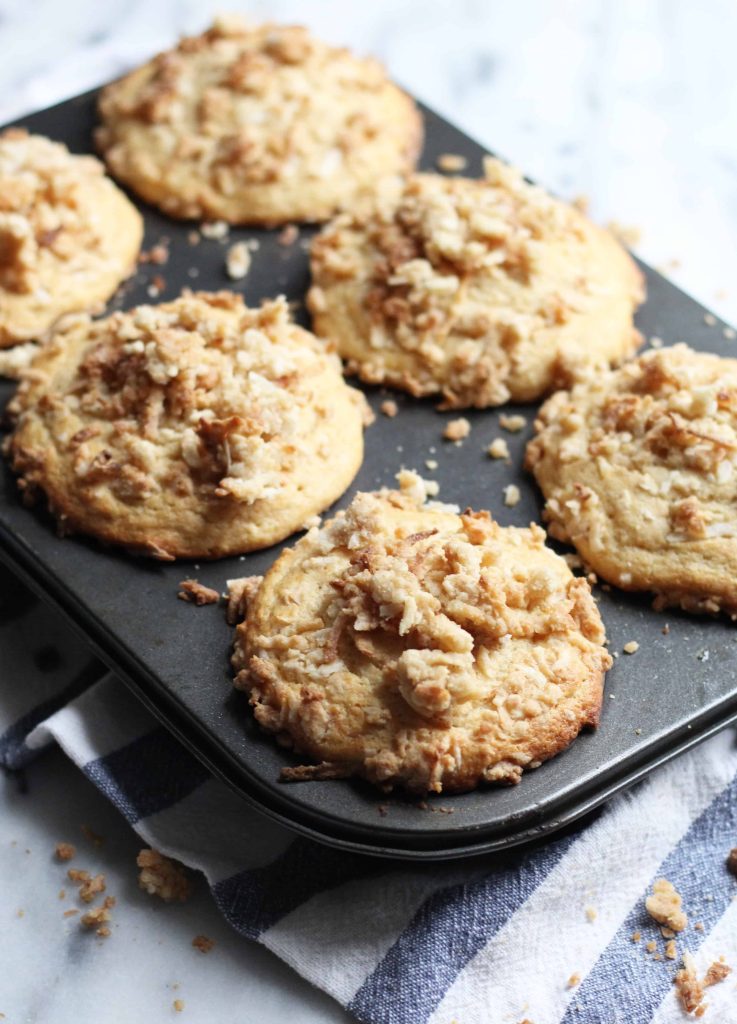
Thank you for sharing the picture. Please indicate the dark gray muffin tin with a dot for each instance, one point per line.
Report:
(675, 691)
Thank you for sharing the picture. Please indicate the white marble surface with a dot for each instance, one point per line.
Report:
(632, 103)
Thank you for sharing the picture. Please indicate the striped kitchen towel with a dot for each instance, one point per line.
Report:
(540, 934)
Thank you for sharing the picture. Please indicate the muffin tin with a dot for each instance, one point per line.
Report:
(677, 689)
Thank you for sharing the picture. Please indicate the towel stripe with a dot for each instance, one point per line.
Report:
(148, 775)
(447, 932)
(14, 752)
(621, 983)
(254, 901)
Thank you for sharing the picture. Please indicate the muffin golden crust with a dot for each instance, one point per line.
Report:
(420, 648)
(638, 469)
(197, 428)
(482, 291)
(68, 235)
(256, 125)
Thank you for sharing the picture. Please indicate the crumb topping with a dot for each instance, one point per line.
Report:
(201, 398)
(442, 645)
(44, 215)
(456, 275)
(243, 105)
(665, 427)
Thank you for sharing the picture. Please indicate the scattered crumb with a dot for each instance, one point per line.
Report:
(70, 913)
(90, 836)
(98, 916)
(498, 449)
(667, 933)
(512, 423)
(651, 946)
(656, 342)
(456, 430)
(730, 333)
(670, 950)
(202, 943)
(89, 886)
(657, 956)
(732, 861)
(636, 936)
(65, 851)
(20, 913)
(690, 989)
(631, 647)
(197, 593)
(62, 894)
(214, 229)
(575, 979)
(238, 261)
(288, 234)
(664, 906)
(382, 809)
(194, 238)
(591, 913)
(709, 319)
(698, 927)
(161, 876)
(157, 254)
(638, 732)
(717, 972)
(431, 463)
(178, 1005)
(665, 630)
(627, 234)
(240, 592)
(451, 162)
(512, 495)
(389, 408)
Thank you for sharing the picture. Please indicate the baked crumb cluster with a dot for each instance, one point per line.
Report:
(193, 401)
(44, 219)
(68, 236)
(456, 279)
(421, 648)
(253, 105)
(642, 461)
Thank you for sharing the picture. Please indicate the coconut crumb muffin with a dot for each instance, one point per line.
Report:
(637, 467)
(197, 428)
(68, 235)
(482, 291)
(419, 648)
(256, 125)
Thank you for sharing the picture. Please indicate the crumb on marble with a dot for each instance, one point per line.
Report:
(203, 943)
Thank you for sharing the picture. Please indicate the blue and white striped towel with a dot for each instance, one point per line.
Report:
(492, 940)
